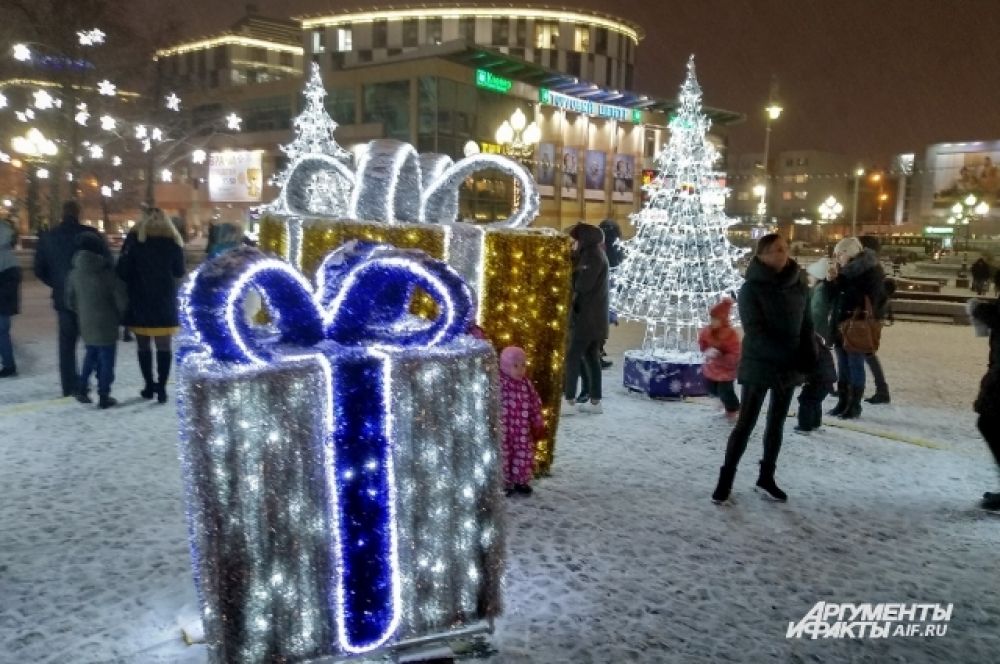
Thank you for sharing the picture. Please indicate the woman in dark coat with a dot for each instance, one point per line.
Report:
(150, 266)
(856, 276)
(10, 296)
(588, 326)
(777, 350)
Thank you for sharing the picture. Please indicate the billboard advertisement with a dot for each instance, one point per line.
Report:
(960, 169)
(546, 178)
(623, 174)
(569, 172)
(593, 165)
(235, 177)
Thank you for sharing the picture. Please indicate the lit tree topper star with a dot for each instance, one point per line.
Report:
(106, 88)
(233, 121)
(22, 52)
(90, 37)
(173, 102)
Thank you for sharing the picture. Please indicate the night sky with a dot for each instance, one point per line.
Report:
(865, 78)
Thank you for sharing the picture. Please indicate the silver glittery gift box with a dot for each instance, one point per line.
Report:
(259, 508)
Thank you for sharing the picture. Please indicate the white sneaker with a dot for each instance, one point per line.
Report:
(591, 407)
(569, 408)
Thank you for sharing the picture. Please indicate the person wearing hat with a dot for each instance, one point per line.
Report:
(53, 261)
(858, 281)
(588, 326)
(721, 345)
(97, 297)
(819, 383)
(777, 350)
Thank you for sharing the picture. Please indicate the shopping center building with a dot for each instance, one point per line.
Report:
(442, 77)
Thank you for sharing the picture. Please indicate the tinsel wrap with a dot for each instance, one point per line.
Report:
(521, 276)
(341, 467)
(294, 197)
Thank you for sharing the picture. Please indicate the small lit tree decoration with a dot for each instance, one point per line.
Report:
(342, 465)
(680, 261)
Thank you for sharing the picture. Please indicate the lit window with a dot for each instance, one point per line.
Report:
(801, 178)
(344, 39)
(802, 195)
(546, 35)
(786, 195)
(581, 39)
(317, 41)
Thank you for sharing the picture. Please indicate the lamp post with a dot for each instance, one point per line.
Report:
(830, 210)
(965, 212)
(517, 137)
(773, 112)
(35, 149)
(858, 173)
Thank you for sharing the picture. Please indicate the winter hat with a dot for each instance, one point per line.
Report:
(509, 356)
(849, 246)
(819, 269)
(721, 310)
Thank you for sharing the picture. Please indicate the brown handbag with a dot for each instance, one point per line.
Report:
(862, 332)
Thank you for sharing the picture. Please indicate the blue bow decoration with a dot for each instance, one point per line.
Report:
(351, 324)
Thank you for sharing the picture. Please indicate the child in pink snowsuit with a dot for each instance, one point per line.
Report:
(721, 345)
(522, 421)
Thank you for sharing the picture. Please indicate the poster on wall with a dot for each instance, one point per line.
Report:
(235, 176)
(569, 172)
(623, 178)
(963, 169)
(594, 175)
(546, 176)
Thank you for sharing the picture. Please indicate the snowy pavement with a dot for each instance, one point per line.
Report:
(618, 557)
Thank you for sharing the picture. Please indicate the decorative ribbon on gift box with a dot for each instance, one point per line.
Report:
(350, 324)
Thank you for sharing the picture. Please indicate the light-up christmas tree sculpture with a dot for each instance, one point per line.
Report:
(680, 262)
(327, 192)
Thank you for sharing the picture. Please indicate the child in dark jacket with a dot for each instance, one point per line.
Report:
(821, 382)
(98, 298)
(521, 416)
(721, 345)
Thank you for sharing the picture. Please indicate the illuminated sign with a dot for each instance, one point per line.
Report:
(939, 230)
(577, 105)
(235, 177)
(488, 81)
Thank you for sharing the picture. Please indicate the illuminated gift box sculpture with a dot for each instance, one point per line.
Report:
(521, 276)
(342, 465)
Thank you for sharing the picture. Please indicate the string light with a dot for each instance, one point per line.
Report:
(108, 123)
(106, 88)
(43, 99)
(365, 487)
(173, 102)
(680, 262)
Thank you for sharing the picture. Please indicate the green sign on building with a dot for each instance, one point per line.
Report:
(489, 81)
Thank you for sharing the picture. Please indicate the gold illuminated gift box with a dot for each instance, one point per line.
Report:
(522, 278)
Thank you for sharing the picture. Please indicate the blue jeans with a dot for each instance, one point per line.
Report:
(99, 359)
(850, 367)
(6, 347)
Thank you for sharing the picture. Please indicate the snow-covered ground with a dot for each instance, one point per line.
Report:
(618, 557)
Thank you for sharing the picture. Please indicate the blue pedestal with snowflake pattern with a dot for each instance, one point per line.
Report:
(662, 378)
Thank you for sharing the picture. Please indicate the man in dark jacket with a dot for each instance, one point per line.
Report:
(53, 261)
(988, 401)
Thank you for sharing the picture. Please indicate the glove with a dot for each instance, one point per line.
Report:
(712, 353)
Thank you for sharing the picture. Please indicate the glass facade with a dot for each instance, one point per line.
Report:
(388, 104)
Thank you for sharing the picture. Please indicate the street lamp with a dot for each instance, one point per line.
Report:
(854, 208)
(517, 137)
(967, 211)
(830, 209)
(773, 111)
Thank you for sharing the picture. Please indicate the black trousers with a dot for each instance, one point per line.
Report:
(69, 334)
(752, 398)
(588, 353)
(724, 391)
(989, 426)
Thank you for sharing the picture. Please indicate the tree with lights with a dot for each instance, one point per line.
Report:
(680, 261)
(314, 136)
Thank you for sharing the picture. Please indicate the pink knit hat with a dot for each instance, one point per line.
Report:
(510, 355)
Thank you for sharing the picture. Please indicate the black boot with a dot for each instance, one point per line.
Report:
(765, 482)
(841, 399)
(106, 402)
(853, 410)
(881, 396)
(146, 368)
(164, 358)
(725, 485)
